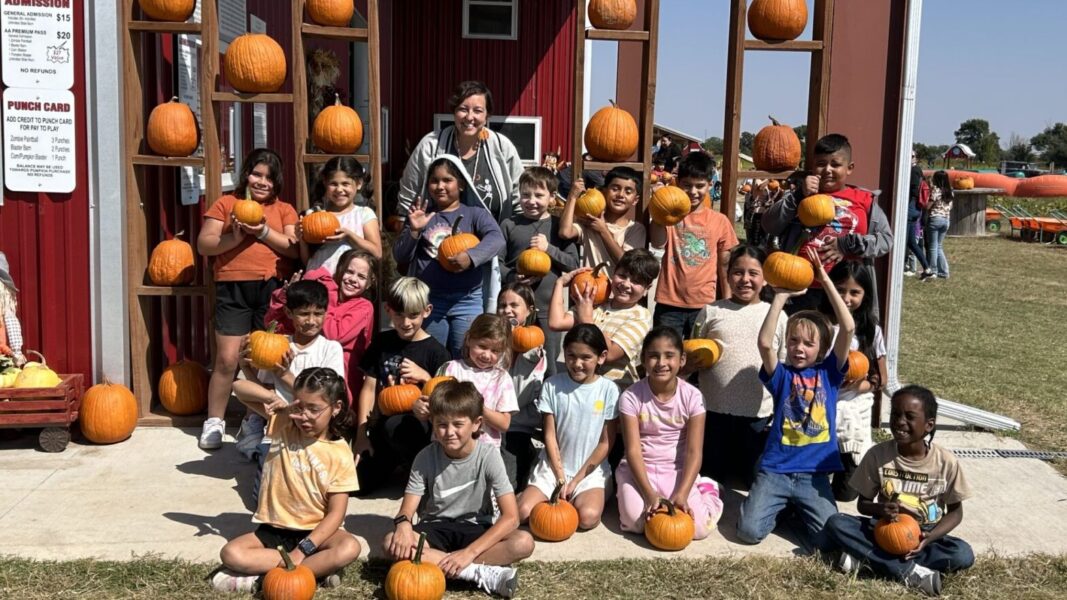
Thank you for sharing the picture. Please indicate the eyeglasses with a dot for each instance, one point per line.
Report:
(304, 411)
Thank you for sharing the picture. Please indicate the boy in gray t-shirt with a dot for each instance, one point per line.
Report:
(450, 485)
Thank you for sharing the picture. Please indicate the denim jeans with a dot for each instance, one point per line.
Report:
(935, 250)
(913, 245)
(855, 535)
(679, 318)
(809, 493)
(452, 316)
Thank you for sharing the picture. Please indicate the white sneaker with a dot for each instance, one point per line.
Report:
(227, 581)
(331, 581)
(926, 580)
(211, 434)
(502, 581)
(846, 563)
(250, 435)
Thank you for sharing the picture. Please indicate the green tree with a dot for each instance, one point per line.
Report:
(1052, 144)
(976, 134)
(713, 145)
(747, 139)
(1019, 148)
(802, 133)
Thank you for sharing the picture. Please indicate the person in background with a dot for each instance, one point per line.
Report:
(940, 213)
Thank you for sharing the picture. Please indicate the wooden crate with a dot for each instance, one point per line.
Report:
(52, 409)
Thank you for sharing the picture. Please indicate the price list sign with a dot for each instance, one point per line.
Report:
(39, 140)
(38, 39)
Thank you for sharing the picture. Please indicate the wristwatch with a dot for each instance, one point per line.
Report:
(400, 519)
(307, 546)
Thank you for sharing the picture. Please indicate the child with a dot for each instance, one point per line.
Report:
(802, 446)
(694, 250)
(856, 400)
(606, 237)
(405, 354)
(739, 407)
(452, 486)
(10, 328)
(456, 296)
(338, 187)
(940, 212)
(913, 476)
(622, 320)
(535, 228)
(307, 476)
(757, 201)
(663, 430)
(580, 410)
(251, 261)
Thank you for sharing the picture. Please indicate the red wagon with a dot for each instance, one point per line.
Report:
(52, 409)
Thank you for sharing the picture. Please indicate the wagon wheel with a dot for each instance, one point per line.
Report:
(1061, 238)
(993, 226)
(54, 439)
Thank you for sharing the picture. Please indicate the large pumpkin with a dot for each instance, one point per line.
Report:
(37, 374)
(669, 528)
(858, 366)
(331, 13)
(590, 204)
(432, 383)
(777, 20)
(963, 183)
(108, 413)
(554, 520)
(183, 388)
(454, 245)
(414, 579)
(399, 398)
(816, 210)
(255, 63)
(776, 148)
(786, 271)
(669, 205)
(289, 582)
(701, 353)
(337, 129)
(172, 129)
(596, 278)
(526, 337)
(899, 535)
(172, 263)
(319, 225)
(612, 14)
(611, 134)
(167, 10)
(266, 348)
(534, 263)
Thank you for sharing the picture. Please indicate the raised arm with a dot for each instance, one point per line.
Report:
(559, 318)
(846, 325)
(567, 230)
(768, 353)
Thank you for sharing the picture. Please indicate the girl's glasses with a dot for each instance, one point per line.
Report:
(305, 411)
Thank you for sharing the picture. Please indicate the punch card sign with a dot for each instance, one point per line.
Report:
(38, 40)
(39, 140)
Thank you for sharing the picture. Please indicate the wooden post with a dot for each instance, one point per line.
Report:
(300, 106)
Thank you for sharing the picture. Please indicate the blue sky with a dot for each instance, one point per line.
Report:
(995, 60)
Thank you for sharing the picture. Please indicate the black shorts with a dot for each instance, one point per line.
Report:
(450, 536)
(272, 536)
(241, 305)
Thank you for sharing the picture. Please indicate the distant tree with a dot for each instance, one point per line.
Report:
(1052, 144)
(747, 139)
(924, 153)
(1019, 148)
(976, 134)
(713, 145)
(802, 133)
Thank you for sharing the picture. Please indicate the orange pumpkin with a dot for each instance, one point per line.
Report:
(394, 224)
(108, 413)
(414, 579)
(319, 225)
(899, 535)
(612, 14)
(255, 63)
(337, 129)
(289, 582)
(172, 263)
(526, 338)
(669, 205)
(597, 279)
(554, 520)
(773, 185)
(786, 271)
(167, 10)
(816, 210)
(858, 366)
(611, 134)
(702, 353)
(331, 13)
(183, 388)
(534, 263)
(433, 382)
(776, 148)
(746, 188)
(590, 204)
(248, 211)
(266, 348)
(453, 245)
(777, 20)
(963, 183)
(399, 398)
(172, 129)
(669, 528)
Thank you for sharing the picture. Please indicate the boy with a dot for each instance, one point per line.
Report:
(535, 228)
(452, 485)
(605, 238)
(406, 354)
(623, 321)
(695, 251)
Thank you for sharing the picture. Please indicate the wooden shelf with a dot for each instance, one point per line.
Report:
(350, 34)
(163, 290)
(790, 46)
(167, 161)
(765, 174)
(315, 159)
(596, 165)
(618, 36)
(242, 97)
(165, 27)
(159, 417)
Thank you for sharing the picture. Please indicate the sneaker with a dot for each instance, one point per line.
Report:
(211, 435)
(928, 581)
(926, 275)
(225, 580)
(909, 273)
(331, 581)
(250, 435)
(846, 563)
(502, 581)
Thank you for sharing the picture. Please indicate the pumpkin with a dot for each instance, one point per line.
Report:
(612, 14)
(526, 338)
(172, 262)
(858, 366)
(611, 134)
(773, 185)
(254, 63)
(963, 183)
(266, 348)
(337, 129)
(289, 582)
(554, 520)
(331, 13)
(595, 278)
(786, 271)
(108, 413)
(702, 353)
(318, 225)
(414, 579)
(816, 210)
(8, 377)
(172, 129)
(399, 398)
(590, 204)
(746, 188)
(776, 148)
(433, 382)
(534, 263)
(669, 205)
(248, 211)
(37, 374)
(183, 388)
(898, 535)
(777, 20)
(669, 528)
(394, 224)
(453, 245)
(167, 10)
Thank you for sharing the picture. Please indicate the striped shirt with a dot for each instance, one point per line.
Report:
(626, 327)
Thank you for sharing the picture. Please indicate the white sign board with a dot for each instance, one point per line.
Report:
(37, 46)
(39, 140)
(233, 15)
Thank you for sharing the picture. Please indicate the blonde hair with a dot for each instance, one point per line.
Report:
(814, 323)
(408, 295)
(490, 327)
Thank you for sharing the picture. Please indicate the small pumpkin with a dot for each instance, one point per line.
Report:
(534, 263)
(590, 204)
(612, 14)
(289, 582)
(776, 148)
(963, 183)
(248, 211)
(183, 388)
(255, 63)
(433, 382)
(526, 337)
(596, 278)
(174, 11)
(554, 520)
(777, 20)
(331, 13)
(773, 185)
(611, 134)
(669, 528)
(414, 579)
(786, 271)
(8, 377)
(172, 129)
(400, 398)
(318, 225)
(454, 245)
(669, 205)
(816, 210)
(337, 129)
(394, 224)
(37, 374)
(746, 188)
(702, 353)
(108, 413)
(172, 262)
(858, 366)
(266, 348)
(899, 535)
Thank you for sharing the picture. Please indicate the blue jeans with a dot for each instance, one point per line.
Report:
(855, 535)
(809, 493)
(679, 318)
(913, 244)
(452, 316)
(935, 250)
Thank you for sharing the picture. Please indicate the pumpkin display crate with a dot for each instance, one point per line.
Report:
(51, 409)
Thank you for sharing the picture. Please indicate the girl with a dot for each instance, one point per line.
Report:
(10, 328)
(306, 479)
(739, 407)
(940, 211)
(516, 304)
(855, 401)
(456, 293)
(580, 409)
(911, 475)
(663, 432)
(338, 187)
(251, 261)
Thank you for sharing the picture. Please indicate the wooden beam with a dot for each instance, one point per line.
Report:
(648, 98)
(164, 27)
(617, 36)
(735, 75)
(763, 175)
(375, 83)
(167, 161)
(596, 165)
(299, 98)
(578, 131)
(790, 46)
(163, 290)
(819, 81)
(274, 98)
(319, 158)
(348, 34)
(209, 128)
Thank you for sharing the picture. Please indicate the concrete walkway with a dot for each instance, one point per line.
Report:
(158, 493)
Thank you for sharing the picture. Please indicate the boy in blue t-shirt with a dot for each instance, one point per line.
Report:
(801, 450)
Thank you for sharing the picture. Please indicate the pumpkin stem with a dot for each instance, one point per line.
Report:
(273, 325)
(773, 120)
(174, 99)
(179, 234)
(43, 362)
(289, 566)
(668, 505)
(455, 226)
(336, 99)
(598, 268)
(418, 549)
(555, 493)
(613, 103)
